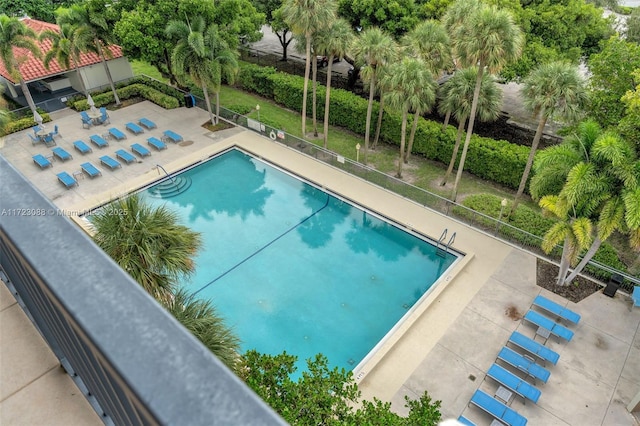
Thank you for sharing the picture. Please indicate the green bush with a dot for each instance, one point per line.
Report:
(127, 92)
(239, 108)
(24, 123)
(254, 78)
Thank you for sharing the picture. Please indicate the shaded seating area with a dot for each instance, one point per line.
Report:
(171, 136)
(156, 143)
(125, 156)
(134, 128)
(62, 154)
(98, 141)
(140, 150)
(110, 162)
(117, 134)
(556, 309)
(82, 147)
(67, 180)
(91, 170)
(497, 409)
(547, 327)
(146, 123)
(42, 161)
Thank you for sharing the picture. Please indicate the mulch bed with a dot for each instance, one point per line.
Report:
(579, 289)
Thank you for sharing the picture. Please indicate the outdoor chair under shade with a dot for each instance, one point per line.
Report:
(86, 120)
(556, 309)
(145, 122)
(99, 141)
(551, 327)
(67, 180)
(125, 156)
(140, 150)
(42, 161)
(134, 128)
(170, 136)
(156, 143)
(82, 147)
(91, 170)
(514, 383)
(104, 117)
(62, 154)
(117, 134)
(534, 348)
(523, 364)
(497, 409)
(110, 162)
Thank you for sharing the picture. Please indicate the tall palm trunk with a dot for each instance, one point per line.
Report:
(564, 262)
(379, 125)
(527, 168)
(206, 100)
(305, 89)
(106, 69)
(414, 126)
(372, 91)
(447, 117)
(467, 139)
(27, 95)
(587, 257)
(454, 154)
(327, 101)
(84, 88)
(403, 137)
(314, 66)
(218, 106)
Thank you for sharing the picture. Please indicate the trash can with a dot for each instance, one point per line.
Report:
(189, 100)
(613, 285)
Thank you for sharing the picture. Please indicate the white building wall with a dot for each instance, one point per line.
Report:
(95, 75)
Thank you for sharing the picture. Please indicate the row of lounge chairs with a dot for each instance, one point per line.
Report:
(525, 362)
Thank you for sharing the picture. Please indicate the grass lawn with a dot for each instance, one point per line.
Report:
(140, 67)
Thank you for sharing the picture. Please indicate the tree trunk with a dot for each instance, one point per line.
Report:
(305, 89)
(414, 126)
(284, 43)
(372, 91)
(84, 88)
(218, 106)
(467, 139)
(106, 69)
(454, 154)
(527, 168)
(206, 100)
(587, 257)
(564, 262)
(27, 95)
(314, 97)
(403, 137)
(327, 101)
(447, 117)
(379, 125)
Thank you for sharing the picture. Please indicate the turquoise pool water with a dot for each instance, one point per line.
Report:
(293, 268)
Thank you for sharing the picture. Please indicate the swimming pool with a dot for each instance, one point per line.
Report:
(294, 268)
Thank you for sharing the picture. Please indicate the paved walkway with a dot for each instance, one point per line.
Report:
(446, 349)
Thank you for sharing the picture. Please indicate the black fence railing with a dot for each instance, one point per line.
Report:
(135, 363)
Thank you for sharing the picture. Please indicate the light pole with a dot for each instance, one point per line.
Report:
(503, 204)
(357, 153)
(258, 109)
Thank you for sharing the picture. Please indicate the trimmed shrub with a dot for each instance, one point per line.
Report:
(24, 123)
(128, 92)
(239, 108)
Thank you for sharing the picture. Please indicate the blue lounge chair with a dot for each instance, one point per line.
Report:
(110, 162)
(556, 309)
(61, 154)
(170, 136)
(145, 122)
(547, 324)
(91, 170)
(82, 147)
(533, 347)
(104, 117)
(156, 143)
(125, 156)
(42, 161)
(465, 421)
(67, 180)
(48, 140)
(140, 150)
(55, 132)
(86, 120)
(497, 409)
(34, 139)
(36, 129)
(636, 296)
(134, 128)
(514, 383)
(99, 141)
(523, 364)
(117, 134)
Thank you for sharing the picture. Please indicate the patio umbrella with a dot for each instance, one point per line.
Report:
(37, 118)
(91, 104)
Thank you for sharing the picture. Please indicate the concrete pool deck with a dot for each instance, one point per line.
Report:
(458, 336)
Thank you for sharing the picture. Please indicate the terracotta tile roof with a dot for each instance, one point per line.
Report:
(32, 68)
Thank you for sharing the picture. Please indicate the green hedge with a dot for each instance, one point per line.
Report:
(127, 92)
(23, 123)
(498, 161)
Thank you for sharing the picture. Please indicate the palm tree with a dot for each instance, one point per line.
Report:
(91, 32)
(554, 89)
(488, 38)
(15, 34)
(372, 49)
(306, 17)
(148, 243)
(200, 317)
(63, 49)
(411, 88)
(333, 42)
(456, 97)
(203, 56)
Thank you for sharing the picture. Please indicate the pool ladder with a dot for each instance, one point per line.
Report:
(441, 248)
